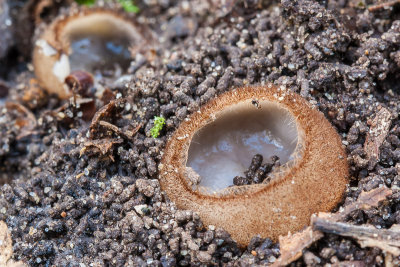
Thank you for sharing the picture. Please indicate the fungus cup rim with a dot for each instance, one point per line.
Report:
(54, 43)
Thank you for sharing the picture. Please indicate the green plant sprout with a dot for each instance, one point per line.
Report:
(159, 123)
(127, 5)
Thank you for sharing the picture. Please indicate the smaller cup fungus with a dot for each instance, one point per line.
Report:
(215, 144)
(97, 41)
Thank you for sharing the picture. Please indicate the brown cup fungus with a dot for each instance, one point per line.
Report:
(95, 41)
(217, 143)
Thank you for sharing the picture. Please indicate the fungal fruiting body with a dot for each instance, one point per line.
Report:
(215, 143)
(90, 40)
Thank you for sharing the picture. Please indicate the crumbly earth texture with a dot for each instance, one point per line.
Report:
(79, 191)
(258, 172)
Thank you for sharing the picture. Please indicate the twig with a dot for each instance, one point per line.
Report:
(367, 236)
(383, 5)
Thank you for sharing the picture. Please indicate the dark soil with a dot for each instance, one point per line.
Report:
(75, 193)
(258, 172)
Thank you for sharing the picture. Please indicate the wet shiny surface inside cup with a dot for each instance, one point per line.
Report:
(99, 53)
(224, 148)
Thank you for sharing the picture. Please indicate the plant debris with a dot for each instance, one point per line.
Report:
(367, 236)
(378, 131)
(292, 246)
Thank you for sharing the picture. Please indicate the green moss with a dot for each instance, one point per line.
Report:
(127, 5)
(159, 123)
(86, 2)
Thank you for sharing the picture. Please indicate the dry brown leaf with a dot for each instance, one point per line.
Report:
(103, 146)
(106, 112)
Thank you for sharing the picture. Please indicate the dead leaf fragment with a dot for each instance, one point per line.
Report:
(378, 131)
(107, 112)
(103, 146)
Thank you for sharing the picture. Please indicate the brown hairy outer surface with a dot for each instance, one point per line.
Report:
(316, 182)
(56, 37)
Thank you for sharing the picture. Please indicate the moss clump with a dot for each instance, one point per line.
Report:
(127, 5)
(159, 123)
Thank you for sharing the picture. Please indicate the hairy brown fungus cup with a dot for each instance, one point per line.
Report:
(217, 143)
(93, 40)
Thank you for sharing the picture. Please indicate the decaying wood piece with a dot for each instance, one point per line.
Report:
(6, 248)
(365, 201)
(292, 246)
(379, 129)
(367, 236)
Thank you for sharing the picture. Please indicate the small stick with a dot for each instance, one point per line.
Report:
(383, 5)
(367, 236)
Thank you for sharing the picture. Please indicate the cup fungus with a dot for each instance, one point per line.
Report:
(95, 41)
(215, 144)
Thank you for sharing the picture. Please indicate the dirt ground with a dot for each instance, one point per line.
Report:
(77, 193)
